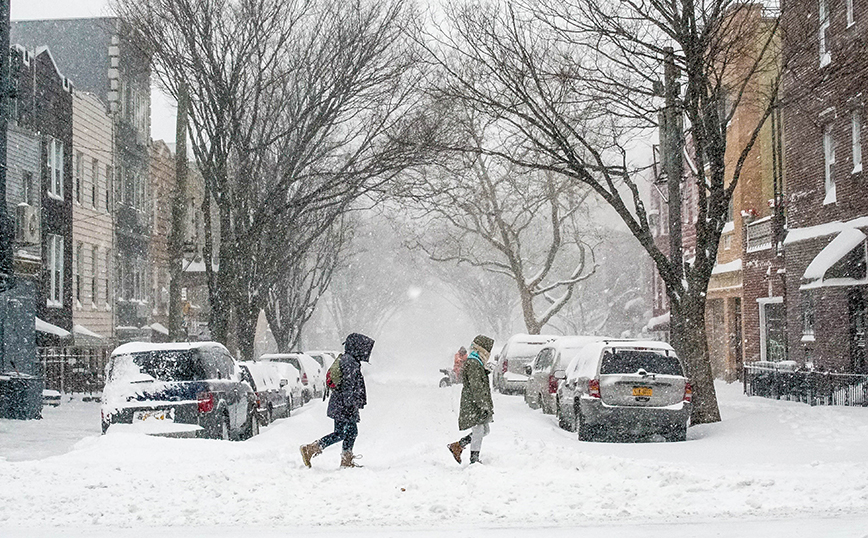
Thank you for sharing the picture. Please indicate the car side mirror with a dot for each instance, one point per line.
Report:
(284, 382)
(528, 369)
(560, 374)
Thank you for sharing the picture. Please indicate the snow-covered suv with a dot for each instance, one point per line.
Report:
(618, 388)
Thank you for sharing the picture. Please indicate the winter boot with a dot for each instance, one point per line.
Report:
(474, 456)
(309, 451)
(347, 459)
(456, 449)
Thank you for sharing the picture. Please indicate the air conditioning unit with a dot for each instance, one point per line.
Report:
(27, 224)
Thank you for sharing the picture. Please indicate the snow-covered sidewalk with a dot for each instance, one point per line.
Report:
(769, 469)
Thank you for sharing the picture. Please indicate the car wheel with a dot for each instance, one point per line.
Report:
(444, 382)
(306, 397)
(585, 432)
(224, 428)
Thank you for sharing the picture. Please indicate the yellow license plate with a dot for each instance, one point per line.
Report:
(645, 392)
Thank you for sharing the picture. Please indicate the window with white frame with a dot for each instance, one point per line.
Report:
(79, 175)
(807, 313)
(108, 188)
(825, 53)
(94, 193)
(829, 165)
(55, 168)
(856, 128)
(78, 270)
(54, 255)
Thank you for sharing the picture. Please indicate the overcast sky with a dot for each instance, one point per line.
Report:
(163, 109)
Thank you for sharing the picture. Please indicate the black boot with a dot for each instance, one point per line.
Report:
(474, 456)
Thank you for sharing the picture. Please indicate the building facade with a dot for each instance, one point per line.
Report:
(92, 222)
(100, 55)
(827, 206)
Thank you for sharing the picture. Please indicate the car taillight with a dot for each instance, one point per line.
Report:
(553, 384)
(594, 388)
(505, 365)
(688, 392)
(206, 402)
(304, 379)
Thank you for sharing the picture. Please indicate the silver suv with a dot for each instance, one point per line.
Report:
(618, 389)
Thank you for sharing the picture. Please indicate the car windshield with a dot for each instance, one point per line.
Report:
(624, 361)
(166, 365)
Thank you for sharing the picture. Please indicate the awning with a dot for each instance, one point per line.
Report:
(160, 328)
(81, 330)
(47, 328)
(834, 252)
(658, 323)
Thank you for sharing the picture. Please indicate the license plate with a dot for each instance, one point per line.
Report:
(644, 392)
(165, 415)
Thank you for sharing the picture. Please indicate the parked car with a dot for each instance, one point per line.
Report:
(509, 372)
(179, 389)
(323, 358)
(542, 384)
(619, 389)
(272, 397)
(294, 388)
(50, 398)
(312, 374)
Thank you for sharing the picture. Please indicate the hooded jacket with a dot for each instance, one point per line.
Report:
(351, 395)
(476, 404)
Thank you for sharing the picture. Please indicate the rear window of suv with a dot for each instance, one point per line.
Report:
(625, 361)
(166, 365)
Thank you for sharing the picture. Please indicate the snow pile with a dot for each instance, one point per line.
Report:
(767, 460)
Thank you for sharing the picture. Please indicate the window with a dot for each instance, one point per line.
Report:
(107, 274)
(856, 124)
(829, 158)
(808, 314)
(27, 188)
(94, 271)
(94, 193)
(79, 175)
(78, 269)
(108, 188)
(825, 53)
(54, 255)
(55, 168)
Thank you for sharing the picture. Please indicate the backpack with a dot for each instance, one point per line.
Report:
(333, 375)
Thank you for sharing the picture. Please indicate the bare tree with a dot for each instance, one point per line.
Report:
(489, 299)
(295, 107)
(484, 211)
(576, 83)
(296, 290)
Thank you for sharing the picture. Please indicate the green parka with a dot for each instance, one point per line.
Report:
(476, 405)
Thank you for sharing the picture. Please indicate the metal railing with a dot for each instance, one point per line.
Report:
(782, 381)
(74, 369)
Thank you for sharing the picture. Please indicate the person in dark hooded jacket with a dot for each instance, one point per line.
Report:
(345, 402)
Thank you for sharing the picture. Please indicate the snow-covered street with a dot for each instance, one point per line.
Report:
(769, 469)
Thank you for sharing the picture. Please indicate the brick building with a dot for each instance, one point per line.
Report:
(827, 206)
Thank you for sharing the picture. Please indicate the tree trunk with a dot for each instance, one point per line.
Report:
(688, 337)
(179, 212)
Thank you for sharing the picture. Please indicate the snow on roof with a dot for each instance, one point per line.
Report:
(139, 347)
(729, 267)
(823, 230)
(45, 327)
(846, 241)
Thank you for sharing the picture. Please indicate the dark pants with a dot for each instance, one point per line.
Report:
(345, 431)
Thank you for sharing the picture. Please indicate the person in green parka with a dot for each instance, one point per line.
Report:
(477, 409)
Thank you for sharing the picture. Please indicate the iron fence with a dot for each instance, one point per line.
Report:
(74, 369)
(782, 381)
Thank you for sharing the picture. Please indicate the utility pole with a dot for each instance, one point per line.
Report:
(672, 135)
(179, 213)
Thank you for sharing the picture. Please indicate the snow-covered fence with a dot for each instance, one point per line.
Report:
(74, 369)
(783, 381)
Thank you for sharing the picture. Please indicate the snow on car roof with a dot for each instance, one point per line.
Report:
(140, 347)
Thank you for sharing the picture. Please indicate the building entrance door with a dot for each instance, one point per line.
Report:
(776, 338)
